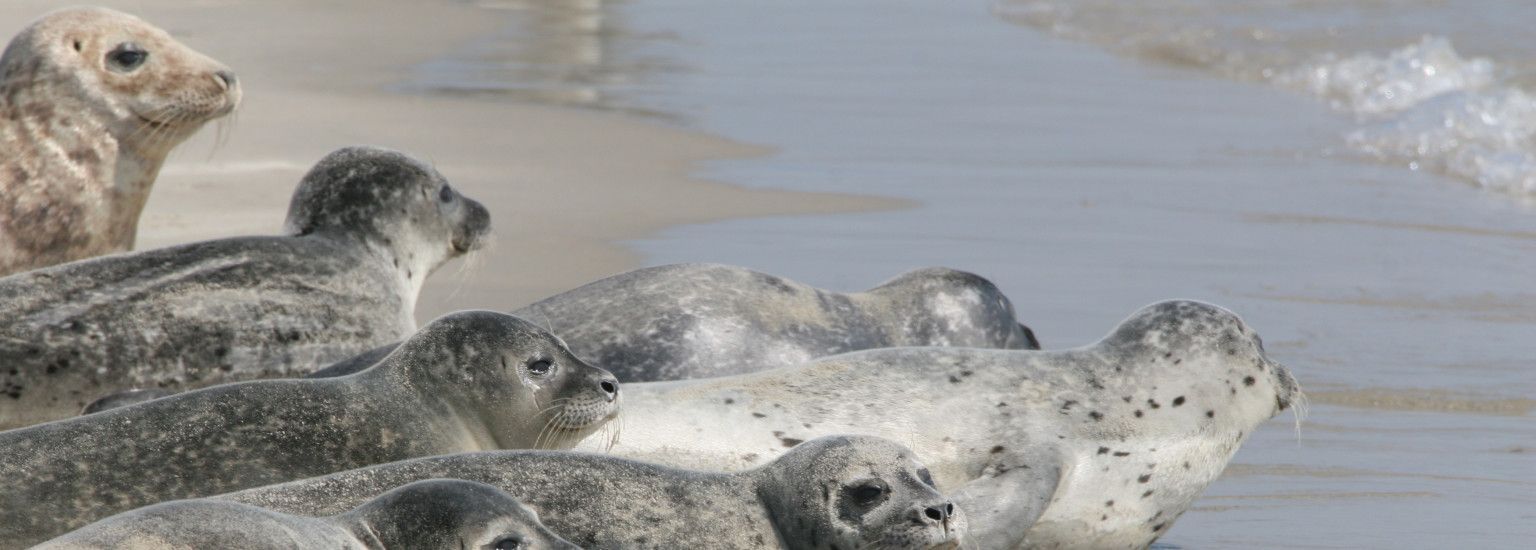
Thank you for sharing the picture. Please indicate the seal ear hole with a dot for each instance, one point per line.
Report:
(77, 45)
(445, 194)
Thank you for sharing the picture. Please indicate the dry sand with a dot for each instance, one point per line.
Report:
(563, 185)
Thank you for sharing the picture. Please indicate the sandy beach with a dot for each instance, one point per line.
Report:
(564, 186)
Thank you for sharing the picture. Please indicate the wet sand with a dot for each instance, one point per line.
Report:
(563, 185)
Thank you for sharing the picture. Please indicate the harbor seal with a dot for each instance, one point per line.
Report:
(440, 514)
(833, 492)
(684, 321)
(91, 102)
(1106, 444)
(364, 229)
(469, 381)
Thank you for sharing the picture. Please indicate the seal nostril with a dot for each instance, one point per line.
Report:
(934, 514)
(949, 510)
(609, 387)
(228, 77)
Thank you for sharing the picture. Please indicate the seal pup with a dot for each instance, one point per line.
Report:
(469, 381)
(833, 492)
(91, 102)
(442, 514)
(364, 229)
(1106, 444)
(683, 321)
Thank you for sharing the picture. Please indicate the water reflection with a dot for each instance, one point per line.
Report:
(579, 53)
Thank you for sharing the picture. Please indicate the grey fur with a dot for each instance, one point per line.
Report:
(438, 514)
(468, 381)
(683, 321)
(1145, 418)
(802, 500)
(365, 228)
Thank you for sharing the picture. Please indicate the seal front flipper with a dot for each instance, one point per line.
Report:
(357, 363)
(1007, 499)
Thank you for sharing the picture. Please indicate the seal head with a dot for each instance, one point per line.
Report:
(939, 306)
(400, 206)
(521, 381)
(858, 492)
(91, 101)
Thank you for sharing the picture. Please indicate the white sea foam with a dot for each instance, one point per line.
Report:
(1430, 108)
(1422, 105)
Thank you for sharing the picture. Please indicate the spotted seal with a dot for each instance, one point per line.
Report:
(684, 321)
(1106, 445)
(469, 381)
(91, 102)
(364, 229)
(833, 492)
(441, 514)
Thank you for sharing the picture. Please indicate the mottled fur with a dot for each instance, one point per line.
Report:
(439, 514)
(683, 321)
(1104, 445)
(464, 383)
(803, 500)
(366, 227)
(82, 140)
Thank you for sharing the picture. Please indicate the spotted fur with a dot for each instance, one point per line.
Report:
(1032, 444)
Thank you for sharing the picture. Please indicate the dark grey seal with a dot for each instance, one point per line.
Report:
(683, 321)
(364, 229)
(837, 492)
(469, 381)
(439, 514)
(1106, 445)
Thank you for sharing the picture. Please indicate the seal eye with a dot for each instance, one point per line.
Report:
(509, 543)
(445, 194)
(867, 494)
(127, 56)
(541, 367)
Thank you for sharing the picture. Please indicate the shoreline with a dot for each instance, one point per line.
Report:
(598, 180)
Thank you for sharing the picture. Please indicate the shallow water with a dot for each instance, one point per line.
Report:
(1086, 184)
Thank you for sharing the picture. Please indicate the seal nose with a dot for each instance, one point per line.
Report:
(937, 514)
(227, 77)
(609, 387)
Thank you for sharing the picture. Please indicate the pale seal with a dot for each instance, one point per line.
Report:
(1106, 444)
(469, 381)
(364, 229)
(684, 321)
(836, 492)
(91, 101)
(439, 514)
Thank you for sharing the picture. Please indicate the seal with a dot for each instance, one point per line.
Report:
(1106, 445)
(364, 229)
(833, 492)
(91, 102)
(683, 321)
(469, 381)
(441, 514)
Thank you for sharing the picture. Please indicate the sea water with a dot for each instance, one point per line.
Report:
(1351, 177)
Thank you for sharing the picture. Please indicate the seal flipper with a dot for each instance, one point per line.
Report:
(357, 363)
(125, 398)
(1002, 507)
(1030, 342)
